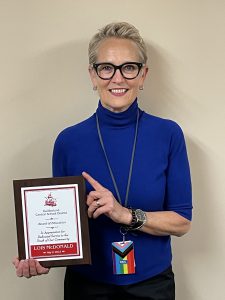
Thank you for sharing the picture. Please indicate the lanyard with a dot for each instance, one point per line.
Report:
(131, 161)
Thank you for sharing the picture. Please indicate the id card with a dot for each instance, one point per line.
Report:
(123, 257)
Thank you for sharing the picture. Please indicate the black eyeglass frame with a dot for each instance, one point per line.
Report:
(140, 65)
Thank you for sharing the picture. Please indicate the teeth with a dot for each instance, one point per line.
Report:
(118, 91)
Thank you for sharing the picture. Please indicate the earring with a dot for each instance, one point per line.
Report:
(141, 88)
(94, 88)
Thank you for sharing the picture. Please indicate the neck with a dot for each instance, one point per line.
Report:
(117, 109)
(117, 117)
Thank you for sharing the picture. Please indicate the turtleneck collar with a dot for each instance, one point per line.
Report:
(124, 118)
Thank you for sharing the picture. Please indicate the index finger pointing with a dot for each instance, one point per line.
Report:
(94, 183)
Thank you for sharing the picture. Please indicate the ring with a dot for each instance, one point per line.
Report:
(97, 203)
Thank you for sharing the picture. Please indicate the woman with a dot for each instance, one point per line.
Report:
(138, 179)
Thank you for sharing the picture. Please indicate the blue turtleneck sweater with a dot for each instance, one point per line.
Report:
(160, 181)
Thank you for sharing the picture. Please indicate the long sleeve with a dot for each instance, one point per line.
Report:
(178, 196)
(58, 158)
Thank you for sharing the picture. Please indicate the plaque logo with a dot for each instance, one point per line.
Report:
(50, 201)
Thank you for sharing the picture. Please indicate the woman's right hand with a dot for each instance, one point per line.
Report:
(28, 268)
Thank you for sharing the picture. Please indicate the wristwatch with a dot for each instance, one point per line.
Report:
(138, 219)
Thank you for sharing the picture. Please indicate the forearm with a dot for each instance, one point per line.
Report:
(101, 201)
(165, 223)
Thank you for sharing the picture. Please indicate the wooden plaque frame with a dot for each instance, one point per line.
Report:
(52, 255)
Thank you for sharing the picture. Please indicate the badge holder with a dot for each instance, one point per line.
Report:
(123, 256)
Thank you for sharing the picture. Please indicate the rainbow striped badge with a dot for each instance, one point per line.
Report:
(123, 257)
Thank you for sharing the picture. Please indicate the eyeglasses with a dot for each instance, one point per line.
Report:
(128, 70)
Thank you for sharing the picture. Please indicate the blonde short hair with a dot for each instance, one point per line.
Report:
(120, 30)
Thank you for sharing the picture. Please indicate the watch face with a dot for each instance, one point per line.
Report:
(140, 215)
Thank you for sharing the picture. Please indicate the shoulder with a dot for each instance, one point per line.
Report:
(75, 131)
(162, 125)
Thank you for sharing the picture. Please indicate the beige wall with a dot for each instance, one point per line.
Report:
(45, 87)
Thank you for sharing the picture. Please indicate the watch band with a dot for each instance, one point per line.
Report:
(136, 222)
(134, 219)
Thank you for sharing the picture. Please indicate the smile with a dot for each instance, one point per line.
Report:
(118, 92)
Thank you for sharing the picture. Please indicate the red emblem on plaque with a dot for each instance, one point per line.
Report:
(50, 201)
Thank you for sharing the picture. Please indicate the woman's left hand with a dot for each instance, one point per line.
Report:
(101, 201)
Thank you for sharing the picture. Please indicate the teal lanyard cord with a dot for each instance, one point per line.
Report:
(131, 161)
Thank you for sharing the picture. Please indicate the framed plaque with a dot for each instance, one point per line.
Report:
(52, 221)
